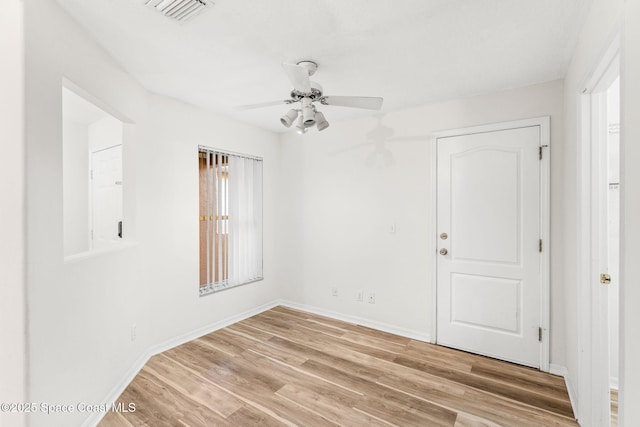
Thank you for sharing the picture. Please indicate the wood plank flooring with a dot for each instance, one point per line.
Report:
(614, 408)
(287, 367)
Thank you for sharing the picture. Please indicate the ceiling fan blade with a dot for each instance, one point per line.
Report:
(298, 76)
(366, 102)
(262, 104)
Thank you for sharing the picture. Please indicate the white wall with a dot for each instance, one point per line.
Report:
(630, 206)
(12, 212)
(344, 187)
(595, 37)
(104, 133)
(329, 201)
(81, 313)
(75, 178)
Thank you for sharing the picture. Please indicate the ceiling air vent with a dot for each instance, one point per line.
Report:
(180, 10)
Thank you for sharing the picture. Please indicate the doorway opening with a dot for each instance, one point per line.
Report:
(92, 145)
(613, 238)
(491, 198)
(600, 230)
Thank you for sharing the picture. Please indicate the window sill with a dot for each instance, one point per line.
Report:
(219, 287)
(116, 247)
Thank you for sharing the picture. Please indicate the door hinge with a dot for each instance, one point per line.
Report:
(540, 334)
(540, 147)
(540, 245)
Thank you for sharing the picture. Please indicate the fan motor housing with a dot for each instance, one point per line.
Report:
(309, 65)
(316, 93)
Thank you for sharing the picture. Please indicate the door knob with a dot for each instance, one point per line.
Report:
(443, 251)
(605, 279)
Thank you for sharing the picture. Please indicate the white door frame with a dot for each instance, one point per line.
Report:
(593, 400)
(545, 139)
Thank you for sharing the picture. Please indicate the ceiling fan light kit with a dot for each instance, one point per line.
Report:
(300, 126)
(307, 92)
(288, 119)
(321, 122)
(308, 112)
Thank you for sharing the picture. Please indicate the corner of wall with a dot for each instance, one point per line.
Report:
(13, 309)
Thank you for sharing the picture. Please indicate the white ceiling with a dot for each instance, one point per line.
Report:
(410, 52)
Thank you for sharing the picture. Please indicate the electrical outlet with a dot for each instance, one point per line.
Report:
(334, 291)
(360, 296)
(371, 298)
(133, 332)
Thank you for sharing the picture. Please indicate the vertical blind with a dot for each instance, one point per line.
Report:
(230, 219)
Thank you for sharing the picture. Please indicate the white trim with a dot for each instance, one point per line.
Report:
(562, 371)
(584, 252)
(545, 226)
(432, 237)
(559, 370)
(614, 384)
(593, 402)
(606, 66)
(380, 326)
(544, 123)
(121, 385)
(223, 323)
(491, 127)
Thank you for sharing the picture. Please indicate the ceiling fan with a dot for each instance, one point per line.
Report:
(307, 93)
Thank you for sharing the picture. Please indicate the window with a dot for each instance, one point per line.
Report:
(230, 219)
(92, 176)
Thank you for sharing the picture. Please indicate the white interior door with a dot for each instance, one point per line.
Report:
(489, 231)
(106, 196)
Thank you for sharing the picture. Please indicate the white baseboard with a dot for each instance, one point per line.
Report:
(558, 370)
(95, 417)
(563, 372)
(190, 336)
(117, 390)
(385, 327)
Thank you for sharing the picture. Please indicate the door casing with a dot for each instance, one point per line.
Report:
(593, 397)
(545, 139)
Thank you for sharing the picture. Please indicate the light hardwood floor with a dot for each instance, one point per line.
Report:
(614, 408)
(287, 367)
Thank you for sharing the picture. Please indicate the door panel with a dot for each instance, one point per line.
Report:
(473, 297)
(488, 282)
(486, 216)
(106, 194)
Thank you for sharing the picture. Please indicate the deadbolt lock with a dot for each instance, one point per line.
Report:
(444, 236)
(605, 279)
(443, 251)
